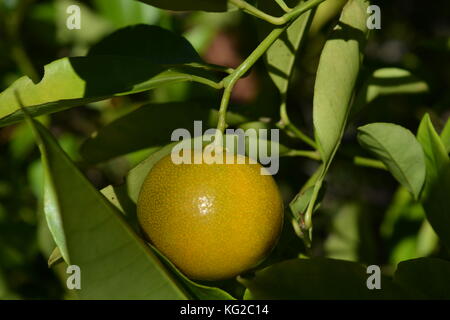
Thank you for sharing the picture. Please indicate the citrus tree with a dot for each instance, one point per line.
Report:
(108, 234)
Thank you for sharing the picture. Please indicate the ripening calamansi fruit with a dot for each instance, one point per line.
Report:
(213, 221)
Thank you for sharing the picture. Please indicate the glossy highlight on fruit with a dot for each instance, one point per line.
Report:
(213, 221)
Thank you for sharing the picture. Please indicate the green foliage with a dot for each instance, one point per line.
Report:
(445, 136)
(280, 57)
(112, 68)
(387, 81)
(399, 150)
(338, 70)
(436, 157)
(304, 279)
(77, 203)
(437, 206)
(182, 5)
(80, 217)
(149, 126)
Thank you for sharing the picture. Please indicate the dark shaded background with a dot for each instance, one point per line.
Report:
(364, 217)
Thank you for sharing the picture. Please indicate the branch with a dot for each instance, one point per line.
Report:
(279, 21)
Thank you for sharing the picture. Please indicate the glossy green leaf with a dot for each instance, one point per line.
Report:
(436, 156)
(280, 57)
(310, 279)
(388, 81)
(399, 150)
(123, 63)
(155, 122)
(426, 277)
(114, 262)
(336, 77)
(437, 205)
(445, 136)
(184, 5)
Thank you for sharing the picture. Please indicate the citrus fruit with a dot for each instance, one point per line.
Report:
(213, 221)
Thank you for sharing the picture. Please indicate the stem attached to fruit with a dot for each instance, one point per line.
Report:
(230, 81)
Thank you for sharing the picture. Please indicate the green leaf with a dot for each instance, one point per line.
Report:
(158, 45)
(399, 150)
(155, 122)
(437, 206)
(184, 5)
(426, 277)
(436, 157)
(445, 136)
(388, 81)
(125, 62)
(119, 197)
(310, 279)
(300, 203)
(198, 291)
(280, 57)
(338, 70)
(114, 262)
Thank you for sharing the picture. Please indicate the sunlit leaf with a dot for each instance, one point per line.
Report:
(336, 77)
(280, 57)
(445, 136)
(125, 12)
(114, 262)
(436, 156)
(131, 60)
(399, 150)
